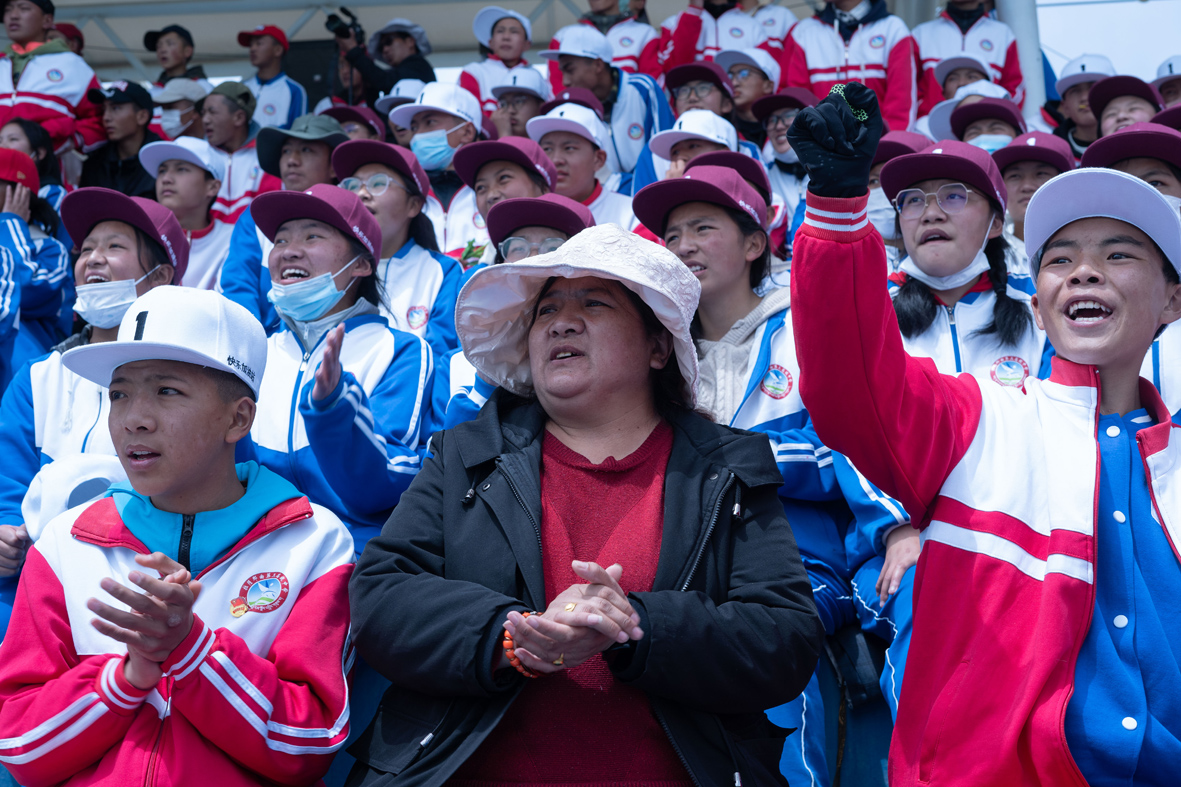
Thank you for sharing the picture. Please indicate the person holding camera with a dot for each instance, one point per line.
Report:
(279, 99)
(402, 44)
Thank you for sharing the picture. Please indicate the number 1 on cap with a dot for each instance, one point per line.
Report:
(140, 320)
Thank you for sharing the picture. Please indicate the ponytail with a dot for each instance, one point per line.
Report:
(1010, 318)
(915, 307)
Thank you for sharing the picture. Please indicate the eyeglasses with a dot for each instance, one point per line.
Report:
(515, 248)
(701, 89)
(376, 184)
(743, 74)
(784, 119)
(516, 102)
(353, 128)
(951, 197)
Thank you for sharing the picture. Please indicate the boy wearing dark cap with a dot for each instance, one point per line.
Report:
(174, 49)
(226, 114)
(279, 98)
(126, 112)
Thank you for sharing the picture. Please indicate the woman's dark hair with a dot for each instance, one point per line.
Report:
(370, 288)
(748, 226)
(49, 171)
(422, 229)
(917, 308)
(538, 181)
(151, 254)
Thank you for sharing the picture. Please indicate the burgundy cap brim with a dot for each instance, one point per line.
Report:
(751, 170)
(1170, 117)
(987, 109)
(272, 209)
(1139, 140)
(1014, 153)
(505, 218)
(83, 209)
(1103, 91)
(905, 171)
(470, 158)
(344, 114)
(789, 98)
(654, 202)
(687, 73)
(348, 157)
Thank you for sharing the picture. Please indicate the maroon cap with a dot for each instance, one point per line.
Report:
(717, 185)
(246, 36)
(489, 129)
(519, 150)
(330, 204)
(1036, 146)
(575, 95)
(986, 109)
(899, 143)
(17, 167)
(83, 209)
(1139, 140)
(950, 159)
(348, 157)
(361, 114)
(72, 32)
(1170, 117)
(788, 98)
(549, 210)
(1105, 90)
(751, 170)
(708, 71)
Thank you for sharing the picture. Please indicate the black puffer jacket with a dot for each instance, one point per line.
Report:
(731, 625)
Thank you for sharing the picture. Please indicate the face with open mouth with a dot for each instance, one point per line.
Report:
(941, 242)
(306, 248)
(1102, 293)
(110, 252)
(711, 244)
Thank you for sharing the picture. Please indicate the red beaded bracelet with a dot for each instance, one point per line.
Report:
(510, 653)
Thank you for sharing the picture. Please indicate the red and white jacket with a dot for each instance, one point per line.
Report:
(635, 46)
(988, 40)
(480, 77)
(52, 91)
(694, 34)
(251, 696)
(244, 181)
(1004, 483)
(880, 55)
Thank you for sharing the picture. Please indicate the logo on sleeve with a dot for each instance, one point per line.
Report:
(776, 382)
(1010, 370)
(53, 75)
(986, 45)
(264, 592)
(269, 109)
(416, 317)
(877, 42)
(478, 220)
(635, 131)
(625, 41)
(769, 22)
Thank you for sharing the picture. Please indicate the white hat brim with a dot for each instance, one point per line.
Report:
(98, 362)
(538, 127)
(401, 116)
(152, 155)
(662, 144)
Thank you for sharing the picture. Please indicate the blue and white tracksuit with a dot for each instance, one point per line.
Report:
(420, 291)
(357, 451)
(245, 277)
(47, 288)
(640, 110)
(651, 168)
(278, 101)
(12, 277)
(1162, 365)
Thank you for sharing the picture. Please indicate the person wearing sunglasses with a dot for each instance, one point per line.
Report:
(754, 74)
(420, 282)
(300, 157)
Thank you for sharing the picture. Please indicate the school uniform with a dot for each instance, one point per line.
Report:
(278, 101)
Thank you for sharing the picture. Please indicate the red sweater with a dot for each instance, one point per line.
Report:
(581, 726)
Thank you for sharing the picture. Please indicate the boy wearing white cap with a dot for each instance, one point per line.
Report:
(1044, 610)
(634, 106)
(1074, 86)
(505, 35)
(234, 660)
(573, 137)
(635, 45)
(1168, 81)
(753, 75)
(518, 99)
(695, 132)
(188, 176)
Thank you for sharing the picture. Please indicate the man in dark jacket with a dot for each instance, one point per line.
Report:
(126, 111)
(403, 47)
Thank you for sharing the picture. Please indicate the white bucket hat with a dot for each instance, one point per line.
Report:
(484, 22)
(492, 312)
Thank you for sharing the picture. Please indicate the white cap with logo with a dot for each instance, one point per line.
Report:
(440, 97)
(572, 118)
(190, 149)
(581, 41)
(186, 324)
(695, 124)
(523, 80)
(1168, 71)
(1084, 68)
(404, 91)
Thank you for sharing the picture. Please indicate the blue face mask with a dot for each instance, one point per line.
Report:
(310, 299)
(432, 149)
(991, 142)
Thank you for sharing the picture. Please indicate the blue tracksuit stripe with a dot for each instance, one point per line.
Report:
(242, 275)
(20, 456)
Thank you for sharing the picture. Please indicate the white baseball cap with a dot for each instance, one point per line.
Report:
(190, 149)
(1168, 71)
(1094, 192)
(949, 64)
(178, 90)
(486, 18)
(403, 92)
(581, 41)
(758, 58)
(523, 79)
(573, 118)
(939, 121)
(186, 324)
(441, 97)
(1084, 68)
(695, 124)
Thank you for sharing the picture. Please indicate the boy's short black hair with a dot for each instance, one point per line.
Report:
(230, 387)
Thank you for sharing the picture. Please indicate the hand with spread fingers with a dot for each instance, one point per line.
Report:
(581, 621)
(836, 140)
(328, 372)
(159, 619)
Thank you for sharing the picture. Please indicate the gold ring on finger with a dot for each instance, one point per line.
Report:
(560, 660)
(571, 606)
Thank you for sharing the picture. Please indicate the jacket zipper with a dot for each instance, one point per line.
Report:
(521, 501)
(669, 734)
(713, 521)
(294, 411)
(955, 339)
(155, 751)
(186, 539)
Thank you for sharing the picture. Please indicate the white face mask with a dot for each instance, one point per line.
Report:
(991, 142)
(977, 266)
(881, 214)
(171, 123)
(104, 303)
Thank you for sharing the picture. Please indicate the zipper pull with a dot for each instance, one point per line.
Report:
(737, 779)
(469, 497)
(951, 314)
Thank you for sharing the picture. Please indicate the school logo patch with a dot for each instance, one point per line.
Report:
(986, 45)
(770, 22)
(53, 75)
(416, 316)
(478, 220)
(263, 592)
(635, 131)
(625, 41)
(269, 109)
(1010, 370)
(777, 382)
(255, 172)
(736, 32)
(877, 42)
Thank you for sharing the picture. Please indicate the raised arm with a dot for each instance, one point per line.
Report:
(896, 418)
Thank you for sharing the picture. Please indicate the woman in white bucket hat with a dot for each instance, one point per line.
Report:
(588, 489)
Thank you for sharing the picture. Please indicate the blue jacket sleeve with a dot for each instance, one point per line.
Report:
(465, 403)
(440, 332)
(644, 174)
(20, 456)
(367, 447)
(12, 278)
(48, 262)
(242, 277)
(875, 514)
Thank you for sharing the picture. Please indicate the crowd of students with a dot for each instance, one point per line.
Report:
(373, 442)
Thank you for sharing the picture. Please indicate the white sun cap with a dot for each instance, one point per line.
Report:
(1094, 192)
(1168, 71)
(574, 118)
(948, 64)
(186, 324)
(440, 97)
(1084, 68)
(581, 41)
(404, 91)
(523, 79)
(492, 312)
(695, 124)
(190, 149)
(486, 18)
(758, 58)
(940, 118)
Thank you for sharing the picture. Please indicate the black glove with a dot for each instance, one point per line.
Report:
(836, 140)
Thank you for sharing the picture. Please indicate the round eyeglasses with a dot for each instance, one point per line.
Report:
(515, 248)
(701, 90)
(785, 119)
(951, 198)
(376, 184)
